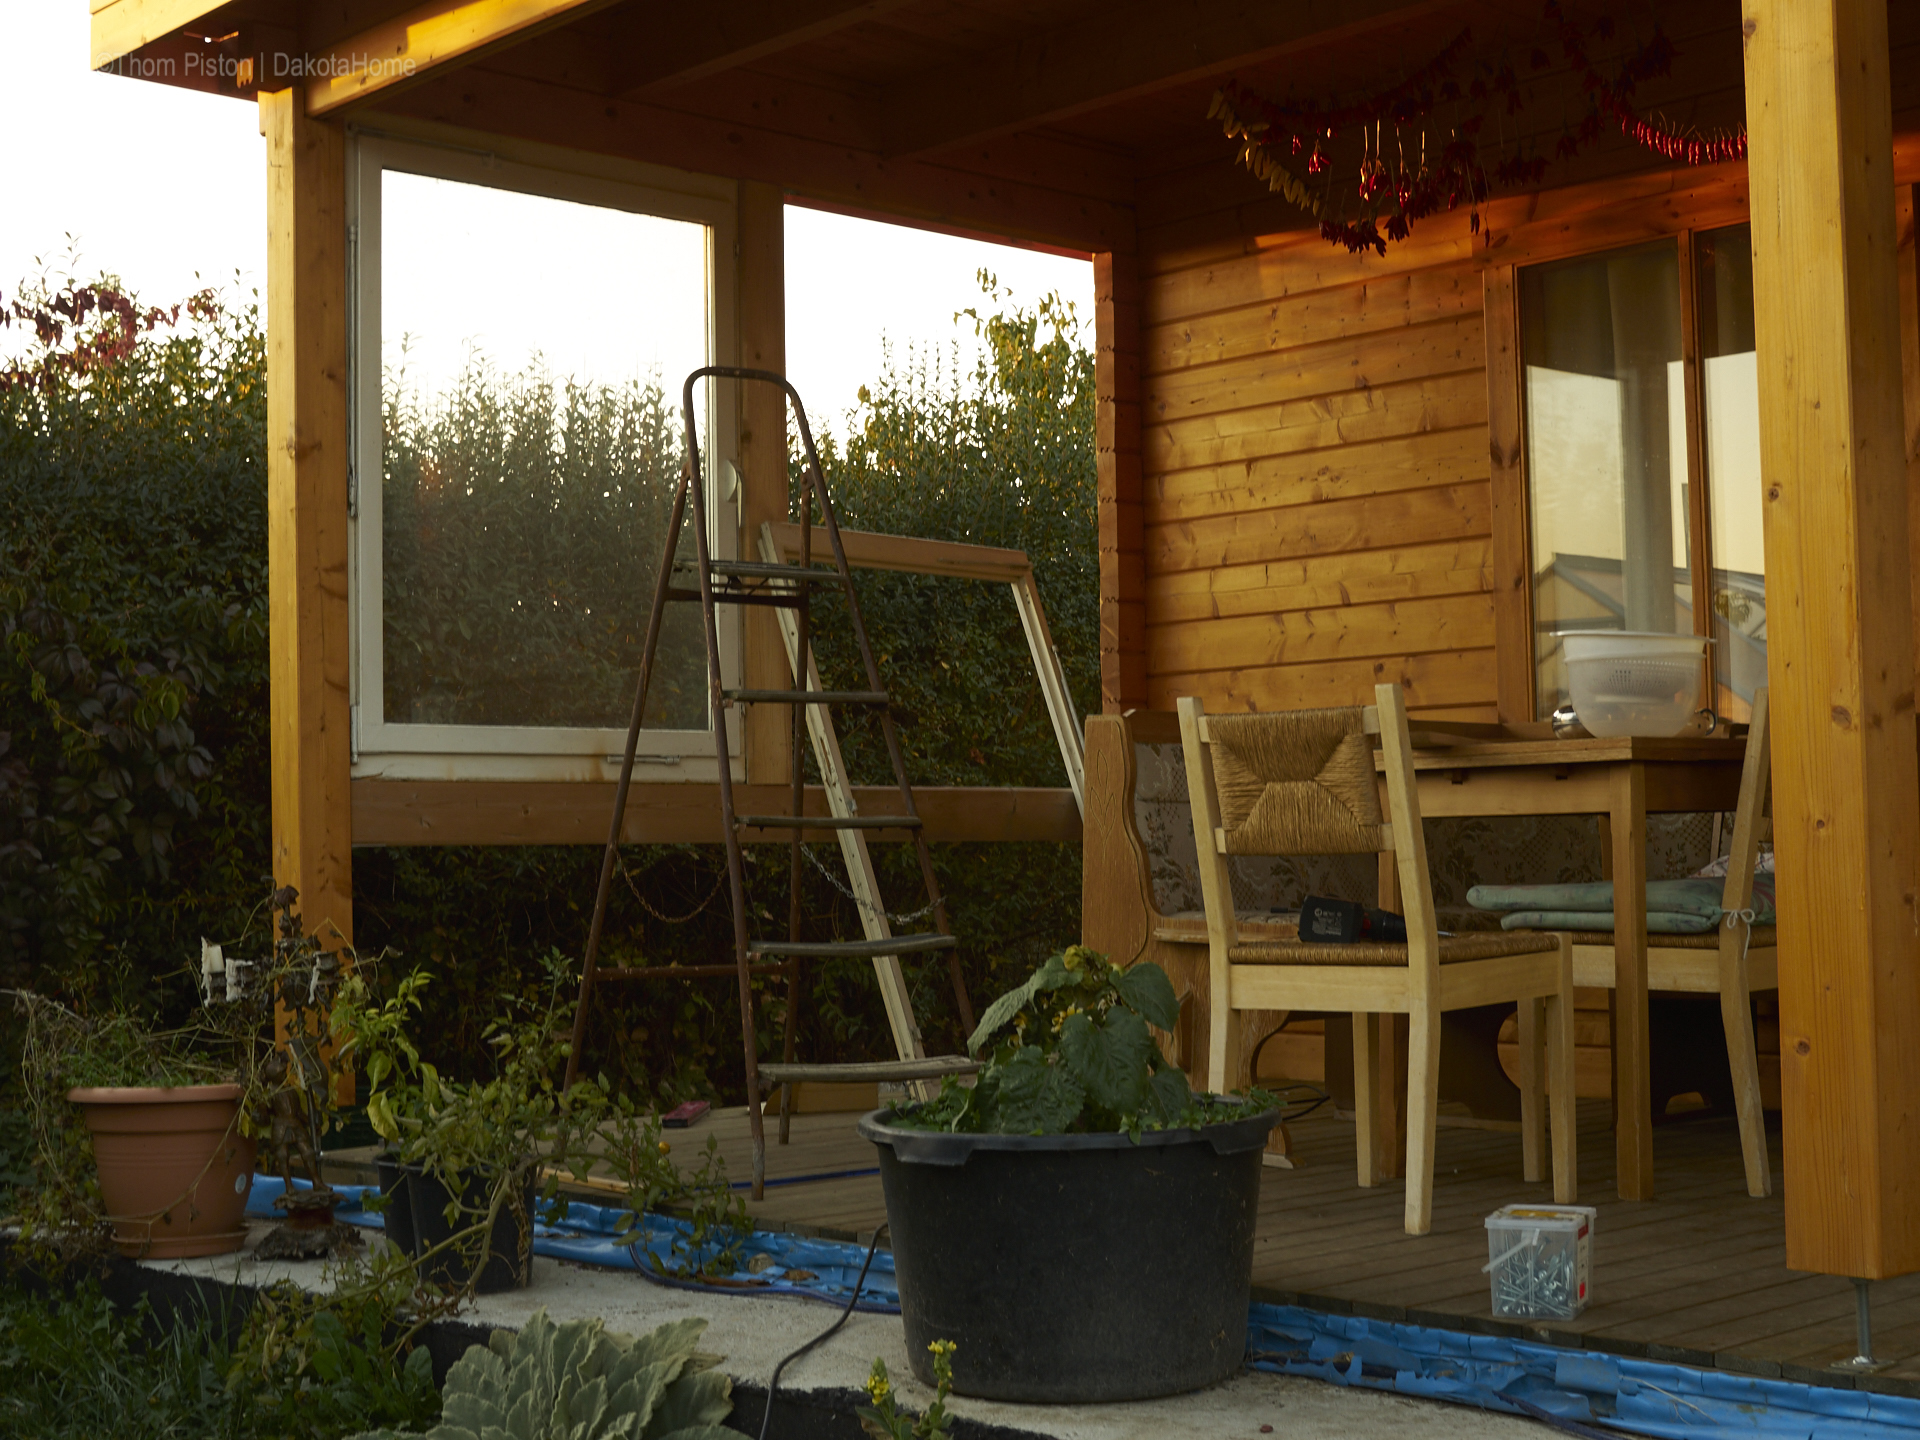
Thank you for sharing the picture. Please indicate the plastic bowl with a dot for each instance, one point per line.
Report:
(1634, 683)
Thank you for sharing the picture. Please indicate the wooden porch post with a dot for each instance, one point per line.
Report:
(1123, 559)
(763, 460)
(1840, 662)
(307, 510)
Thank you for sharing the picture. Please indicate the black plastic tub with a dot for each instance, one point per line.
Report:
(1074, 1268)
(508, 1263)
(395, 1185)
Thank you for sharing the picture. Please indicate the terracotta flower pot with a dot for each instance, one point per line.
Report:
(174, 1168)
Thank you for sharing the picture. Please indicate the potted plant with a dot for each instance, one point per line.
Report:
(159, 1153)
(154, 1132)
(1078, 1220)
(469, 1157)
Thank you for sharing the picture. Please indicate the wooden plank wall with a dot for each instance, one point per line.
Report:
(1318, 504)
(1325, 505)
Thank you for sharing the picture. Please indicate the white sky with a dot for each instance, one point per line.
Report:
(166, 188)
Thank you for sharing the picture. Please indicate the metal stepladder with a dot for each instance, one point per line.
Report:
(790, 589)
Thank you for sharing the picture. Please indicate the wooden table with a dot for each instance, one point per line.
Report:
(1622, 781)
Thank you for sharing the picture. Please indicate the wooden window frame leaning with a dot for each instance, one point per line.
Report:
(383, 750)
(870, 550)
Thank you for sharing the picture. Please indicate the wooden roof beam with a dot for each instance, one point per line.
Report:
(431, 38)
(1109, 54)
(120, 27)
(692, 42)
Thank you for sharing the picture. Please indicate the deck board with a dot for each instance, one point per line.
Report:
(1699, 1271)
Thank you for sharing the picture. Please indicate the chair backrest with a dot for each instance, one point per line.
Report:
(1749, 818)
(1297, 782)
(1304, 782)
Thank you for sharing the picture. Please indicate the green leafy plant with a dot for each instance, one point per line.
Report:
(133, 655)
(519, 1121)
(1076, 1056)
(717, 1221)
(580, 1381)
(74, 1366)
(882, 1419)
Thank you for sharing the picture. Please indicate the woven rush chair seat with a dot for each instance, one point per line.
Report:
(1189, 927)
(1484, 945)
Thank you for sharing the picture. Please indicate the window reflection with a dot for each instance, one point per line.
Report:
(1730, 403)
(532, 350)
(1606, 451)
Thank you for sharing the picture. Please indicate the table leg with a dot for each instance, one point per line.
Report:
(1633, 1128)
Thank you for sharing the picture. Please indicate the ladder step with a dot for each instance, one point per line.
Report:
(894, 945)
(827, 822)
(932, 1067)
(807, 697)
(763, 570)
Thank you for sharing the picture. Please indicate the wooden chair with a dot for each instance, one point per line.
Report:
(1735, 960)
(1304, 783)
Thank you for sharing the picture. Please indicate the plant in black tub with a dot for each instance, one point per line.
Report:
(1075, 1057)
(1075, 1113)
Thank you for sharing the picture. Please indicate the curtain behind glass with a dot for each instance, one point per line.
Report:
(1606, 451)
(1731, 405)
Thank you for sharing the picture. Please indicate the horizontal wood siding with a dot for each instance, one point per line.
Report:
(1318, 510)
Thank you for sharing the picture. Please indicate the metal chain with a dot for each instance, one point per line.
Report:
(620, 860)
(865, 908)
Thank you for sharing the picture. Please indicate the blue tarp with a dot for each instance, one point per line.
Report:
(1674, 1402)
(572, 1230)
(1517, 1377)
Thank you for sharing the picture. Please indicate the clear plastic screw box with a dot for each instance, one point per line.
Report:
(1540, 1260)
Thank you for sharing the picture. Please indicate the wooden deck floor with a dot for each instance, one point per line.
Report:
(1697, 1276)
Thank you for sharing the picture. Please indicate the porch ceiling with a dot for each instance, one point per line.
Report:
(1035, 119)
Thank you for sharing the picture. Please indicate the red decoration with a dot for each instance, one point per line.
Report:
(1395, 191)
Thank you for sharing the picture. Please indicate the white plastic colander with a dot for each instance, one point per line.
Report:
(1627, 682)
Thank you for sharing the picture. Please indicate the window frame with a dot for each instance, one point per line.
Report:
(1693, 400)
(398, 750)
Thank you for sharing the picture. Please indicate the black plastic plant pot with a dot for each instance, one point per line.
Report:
(1074, 1268)
(395, 1184)
(509, 1251)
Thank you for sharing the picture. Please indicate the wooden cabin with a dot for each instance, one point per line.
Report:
(1319, 468)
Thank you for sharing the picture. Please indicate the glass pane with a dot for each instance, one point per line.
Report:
(1606, 451)
(1731, 402)
(530, 455)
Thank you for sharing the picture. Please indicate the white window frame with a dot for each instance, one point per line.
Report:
(404, 751)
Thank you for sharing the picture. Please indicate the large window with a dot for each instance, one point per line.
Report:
(1624, 534)
(521, 341)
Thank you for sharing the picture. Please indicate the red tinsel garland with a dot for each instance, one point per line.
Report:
(1272, 134)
